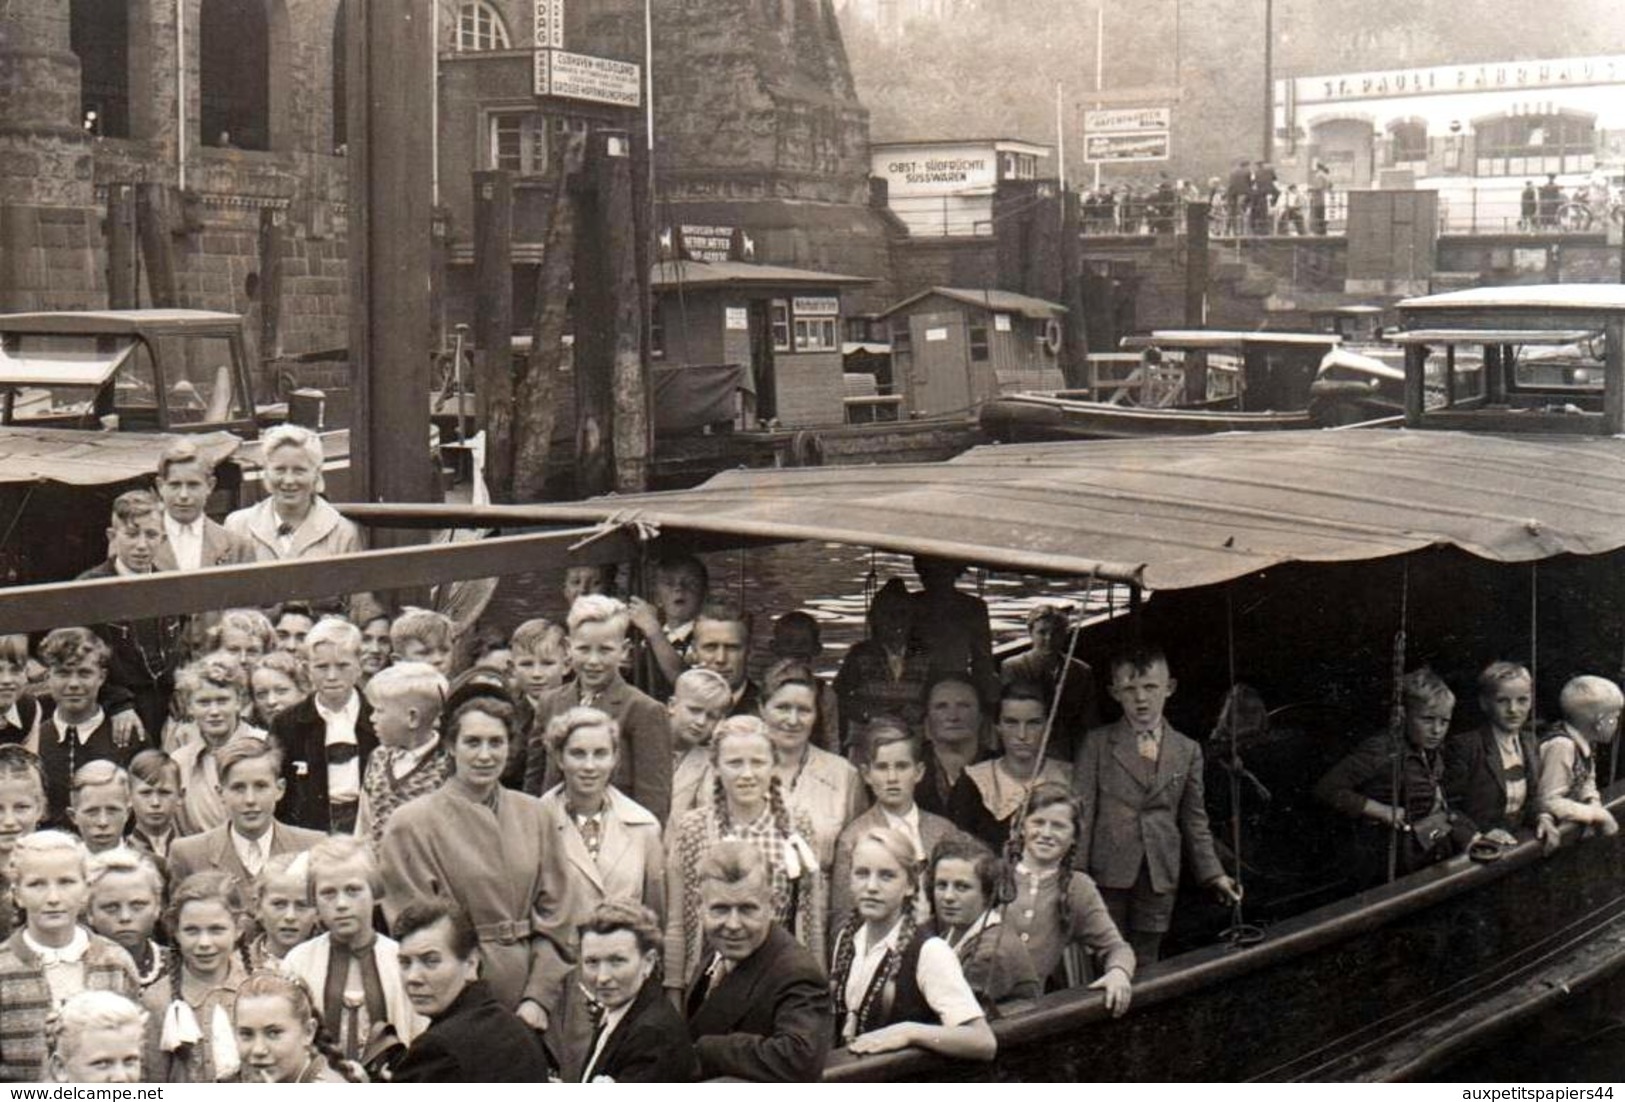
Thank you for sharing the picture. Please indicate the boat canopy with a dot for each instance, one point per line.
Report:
(1227, 338)
(1493, 336)
(80, 458)
(1168, 513)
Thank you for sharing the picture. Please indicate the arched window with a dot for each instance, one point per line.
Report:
(99, 32)
(480, 27)
(234, 45)
(1409, 139)
(1535, 144)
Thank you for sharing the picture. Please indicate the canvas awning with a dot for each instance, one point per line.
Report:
(81, 458)
(1169, 513)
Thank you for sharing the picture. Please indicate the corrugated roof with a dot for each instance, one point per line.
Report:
(1174, 513)
(988, 299)
(83, 458)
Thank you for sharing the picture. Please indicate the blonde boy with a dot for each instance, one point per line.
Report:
(126, 900)
(406, 699)
(1568, 777)
(350, 969)
(419, 635)
(598, 647)
(700, 701)
(328, 736)
(100, 804)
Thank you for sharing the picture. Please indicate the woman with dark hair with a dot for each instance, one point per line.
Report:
(989, 794)
(965, 880)
(479, 844)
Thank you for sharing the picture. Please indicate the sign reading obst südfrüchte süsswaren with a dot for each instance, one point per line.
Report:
(583, 77)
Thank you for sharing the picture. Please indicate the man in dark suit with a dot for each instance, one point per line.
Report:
(472, 1038)
(760, 1008)
(1140, 785)
(618, 1026)
(327, 738)
(250, 785)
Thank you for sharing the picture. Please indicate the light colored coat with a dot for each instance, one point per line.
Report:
(309, 959)
(489, 861)
(631, 866)
(323, 532)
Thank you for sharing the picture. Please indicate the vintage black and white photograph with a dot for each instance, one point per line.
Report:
(847, 541)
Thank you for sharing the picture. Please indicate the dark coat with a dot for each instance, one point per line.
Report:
(769, 1020)
(302, 734)
(1475, 783)
(145, 655)
(476, 1040)
(650, 1045)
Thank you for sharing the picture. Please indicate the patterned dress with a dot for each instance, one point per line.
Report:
(797, 909)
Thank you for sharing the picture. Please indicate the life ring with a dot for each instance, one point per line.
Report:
(1052, 336)
(806, 449)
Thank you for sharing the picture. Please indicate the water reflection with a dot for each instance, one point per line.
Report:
(832, 582)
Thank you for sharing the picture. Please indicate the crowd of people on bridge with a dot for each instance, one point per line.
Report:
(317, 845)
(1250, 202)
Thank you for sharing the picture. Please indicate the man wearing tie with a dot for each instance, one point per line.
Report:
(759, 1008)
(635, 1035)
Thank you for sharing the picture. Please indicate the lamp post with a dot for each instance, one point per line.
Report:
(1269, 80)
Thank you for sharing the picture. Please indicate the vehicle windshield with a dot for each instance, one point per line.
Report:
(1575, 366)
(60, 381)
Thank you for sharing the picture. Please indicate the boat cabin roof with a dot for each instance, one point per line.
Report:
(1229, 338)
(147, 323)
(1166, 513)
(1542, 296)
(1491, 336)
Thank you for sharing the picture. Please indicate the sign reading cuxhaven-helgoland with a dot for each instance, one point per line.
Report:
(583, 77)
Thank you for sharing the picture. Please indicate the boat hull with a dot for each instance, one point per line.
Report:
(1032, 418)
(1388, 984)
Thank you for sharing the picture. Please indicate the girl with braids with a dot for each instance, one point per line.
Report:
(965, 879)
(894, 985)
(1057, 911)
(824, 785)
(747, 804)
(189, 1034)
(279, 1034)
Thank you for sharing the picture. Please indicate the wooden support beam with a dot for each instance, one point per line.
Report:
(493, 325)
(390, 192)
(41, 607)
(632, 433)
(157, 244)
(123, 251)
(534, 412)
(1196, 264)
(272, 247)
(594, 328)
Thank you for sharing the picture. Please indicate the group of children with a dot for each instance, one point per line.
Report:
(204, 894)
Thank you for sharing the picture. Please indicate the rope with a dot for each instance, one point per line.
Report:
(1396, 722)
(1240, 933)
(1534, 630)
(1049, 719)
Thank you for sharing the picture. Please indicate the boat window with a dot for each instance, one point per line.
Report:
(1577, 366)
(135, 390)
(781, 325)
(54, 379)
(200, 381)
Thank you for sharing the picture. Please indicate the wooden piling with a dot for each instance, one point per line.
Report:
(389, 48)
(123, 252)
(157, 244)
(534, 405)
(631, 435)
(594, 329)
(272, 235)
(1196, 264)
(493, 326)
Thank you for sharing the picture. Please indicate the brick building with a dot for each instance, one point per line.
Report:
(229, 104)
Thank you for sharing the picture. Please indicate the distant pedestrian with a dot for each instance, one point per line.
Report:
(1320, 189)
(1551, 198)
(1528, 206)
(1291, 211)
(1236, 192)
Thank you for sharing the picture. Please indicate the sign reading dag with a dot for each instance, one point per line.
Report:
(582, 77)
(550, 24)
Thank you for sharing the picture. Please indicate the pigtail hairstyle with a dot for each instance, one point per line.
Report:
(882, 989)
(1049, 794)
